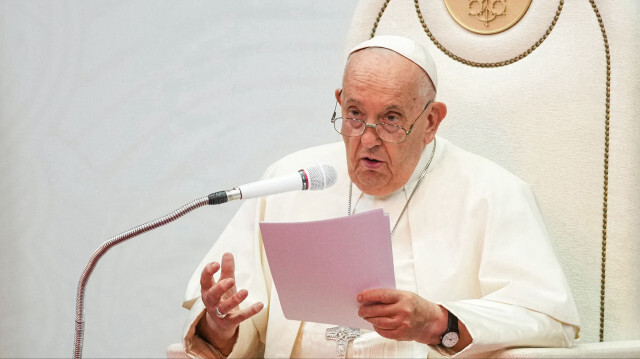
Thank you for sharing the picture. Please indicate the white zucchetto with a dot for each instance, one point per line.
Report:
(405, 47)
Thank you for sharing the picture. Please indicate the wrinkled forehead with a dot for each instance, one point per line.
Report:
(404, 47)
(382, 78)
(380, 59)
(383, 67)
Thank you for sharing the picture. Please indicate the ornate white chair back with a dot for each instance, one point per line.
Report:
(541, 100)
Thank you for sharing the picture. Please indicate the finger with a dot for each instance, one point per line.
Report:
(206, 278)
(227, 305)
(382, 295)
(383, 323)
(228, 266)
(212, 297)
(237, 316)
(376, 310)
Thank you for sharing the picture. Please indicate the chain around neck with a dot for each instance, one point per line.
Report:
(424, 172)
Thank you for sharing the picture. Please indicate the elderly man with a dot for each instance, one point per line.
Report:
(475, 270)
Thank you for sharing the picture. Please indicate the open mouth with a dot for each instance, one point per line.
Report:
(371, 162)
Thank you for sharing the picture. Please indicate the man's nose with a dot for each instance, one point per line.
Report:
(370, 137)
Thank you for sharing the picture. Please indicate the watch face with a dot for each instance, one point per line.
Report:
(450, 339)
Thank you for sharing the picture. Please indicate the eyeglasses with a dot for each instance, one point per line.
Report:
(388, 132)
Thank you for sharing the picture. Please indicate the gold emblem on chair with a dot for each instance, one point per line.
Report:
(487, 16)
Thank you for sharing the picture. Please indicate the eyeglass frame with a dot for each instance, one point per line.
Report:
(375, 125)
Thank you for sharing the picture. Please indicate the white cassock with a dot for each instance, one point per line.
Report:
(472, 240)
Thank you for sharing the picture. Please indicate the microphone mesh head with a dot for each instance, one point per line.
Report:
(321, 176)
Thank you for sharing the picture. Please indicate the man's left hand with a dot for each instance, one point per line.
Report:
(403, 315)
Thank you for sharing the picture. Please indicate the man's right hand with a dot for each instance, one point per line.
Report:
(219, 325)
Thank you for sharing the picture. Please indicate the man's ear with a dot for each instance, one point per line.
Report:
(338, 93)
(437, 113)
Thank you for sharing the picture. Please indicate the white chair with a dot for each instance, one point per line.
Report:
(546, 107)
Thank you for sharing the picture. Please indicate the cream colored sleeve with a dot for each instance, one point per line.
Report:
(241, 237)
(194, 345)
(246, 346)
(525, 300)
(495, 326)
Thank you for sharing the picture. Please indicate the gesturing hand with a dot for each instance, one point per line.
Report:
(221, 299)
(402, 315)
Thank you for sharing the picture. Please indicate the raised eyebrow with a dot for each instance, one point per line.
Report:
(350, 101)
(395, 108)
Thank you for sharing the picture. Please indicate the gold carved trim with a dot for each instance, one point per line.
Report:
(605, 189)
(461, 59)
(605, 195)
(487, 17)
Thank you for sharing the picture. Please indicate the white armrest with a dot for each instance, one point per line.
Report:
(615, 349)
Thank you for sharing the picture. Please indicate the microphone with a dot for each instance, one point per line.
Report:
(314, 178)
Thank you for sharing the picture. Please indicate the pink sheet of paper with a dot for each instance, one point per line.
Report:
(319, 267)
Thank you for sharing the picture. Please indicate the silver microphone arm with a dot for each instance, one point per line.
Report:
(317, 177)
(214, 198)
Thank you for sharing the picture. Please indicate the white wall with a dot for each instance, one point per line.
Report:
(113, 113)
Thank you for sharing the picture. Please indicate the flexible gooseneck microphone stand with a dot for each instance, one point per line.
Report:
(314, 178)
(214, 198)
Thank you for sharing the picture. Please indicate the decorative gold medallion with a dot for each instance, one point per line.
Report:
(487, 16)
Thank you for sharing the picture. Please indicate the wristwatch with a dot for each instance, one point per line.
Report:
(451, 336)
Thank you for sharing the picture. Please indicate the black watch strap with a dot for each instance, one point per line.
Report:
(451, 336)
(453, 323)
